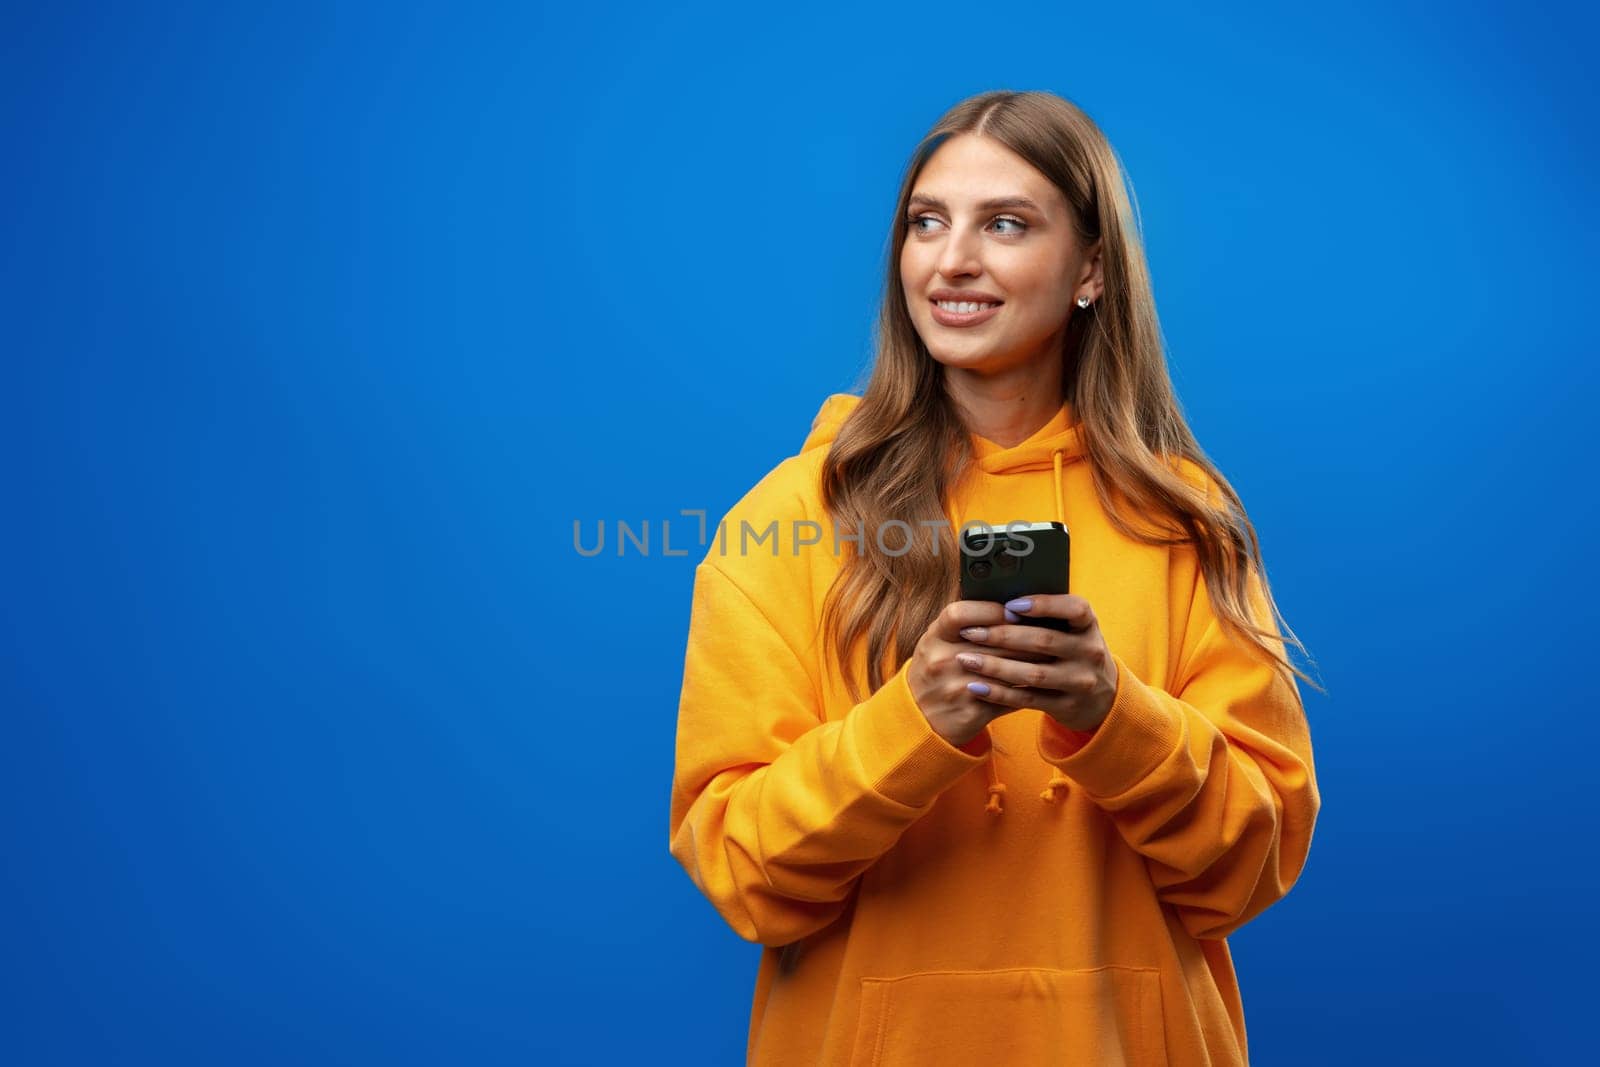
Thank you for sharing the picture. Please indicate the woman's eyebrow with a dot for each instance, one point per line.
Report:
(923, 199)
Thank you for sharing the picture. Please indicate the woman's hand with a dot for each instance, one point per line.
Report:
(1072, 677)
(940, 683)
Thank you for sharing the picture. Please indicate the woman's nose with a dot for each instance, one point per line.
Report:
(959, 254)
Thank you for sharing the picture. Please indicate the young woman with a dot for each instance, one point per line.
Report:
(962, 838)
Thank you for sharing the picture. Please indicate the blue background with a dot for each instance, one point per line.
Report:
(322, 325)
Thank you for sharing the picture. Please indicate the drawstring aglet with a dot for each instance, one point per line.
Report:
(1058, 779)
(996, 791)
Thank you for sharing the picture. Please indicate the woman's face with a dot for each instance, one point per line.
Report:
(1021, 252)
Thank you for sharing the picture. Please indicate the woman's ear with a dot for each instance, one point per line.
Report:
(1093, 277)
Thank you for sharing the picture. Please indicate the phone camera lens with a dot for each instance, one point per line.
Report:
(1006, 562)
(979, 568)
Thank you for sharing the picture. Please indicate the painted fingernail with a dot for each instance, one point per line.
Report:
(970, 662)
(1020, 604)
(975, 633)
(1012, 616)
(978, 688)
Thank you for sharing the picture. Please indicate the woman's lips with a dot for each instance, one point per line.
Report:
(952, 318)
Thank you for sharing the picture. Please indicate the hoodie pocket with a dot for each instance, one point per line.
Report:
(1101, 1017)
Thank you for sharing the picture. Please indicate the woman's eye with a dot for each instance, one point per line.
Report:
(1018, 223)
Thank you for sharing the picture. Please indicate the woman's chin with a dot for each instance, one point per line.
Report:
(978, 360)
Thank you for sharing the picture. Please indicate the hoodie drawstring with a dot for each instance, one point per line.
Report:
(1058, 781)
(997, 788)
(1061, 512)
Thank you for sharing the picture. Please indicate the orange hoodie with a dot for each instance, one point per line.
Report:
(1069, 903)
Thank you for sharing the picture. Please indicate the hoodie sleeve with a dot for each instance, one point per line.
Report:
(1213, 783)
(776, 813)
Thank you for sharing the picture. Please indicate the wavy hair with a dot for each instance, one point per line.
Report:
(1114, 373)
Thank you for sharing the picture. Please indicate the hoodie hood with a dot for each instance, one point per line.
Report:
(1061, 434)
(1050, 448)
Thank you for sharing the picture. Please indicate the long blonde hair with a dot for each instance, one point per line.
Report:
(1114, 373)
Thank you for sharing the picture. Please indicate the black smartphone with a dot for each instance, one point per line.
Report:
(1018, 559)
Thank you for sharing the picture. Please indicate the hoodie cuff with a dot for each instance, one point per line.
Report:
(902, 756)
(1136, 735)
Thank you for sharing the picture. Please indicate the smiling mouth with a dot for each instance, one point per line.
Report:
(977, 314)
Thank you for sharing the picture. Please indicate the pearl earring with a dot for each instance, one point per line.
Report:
(1083, 301)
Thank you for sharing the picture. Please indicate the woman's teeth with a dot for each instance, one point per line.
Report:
(963, 308)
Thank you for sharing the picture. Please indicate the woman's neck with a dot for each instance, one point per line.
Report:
(1009, 407)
